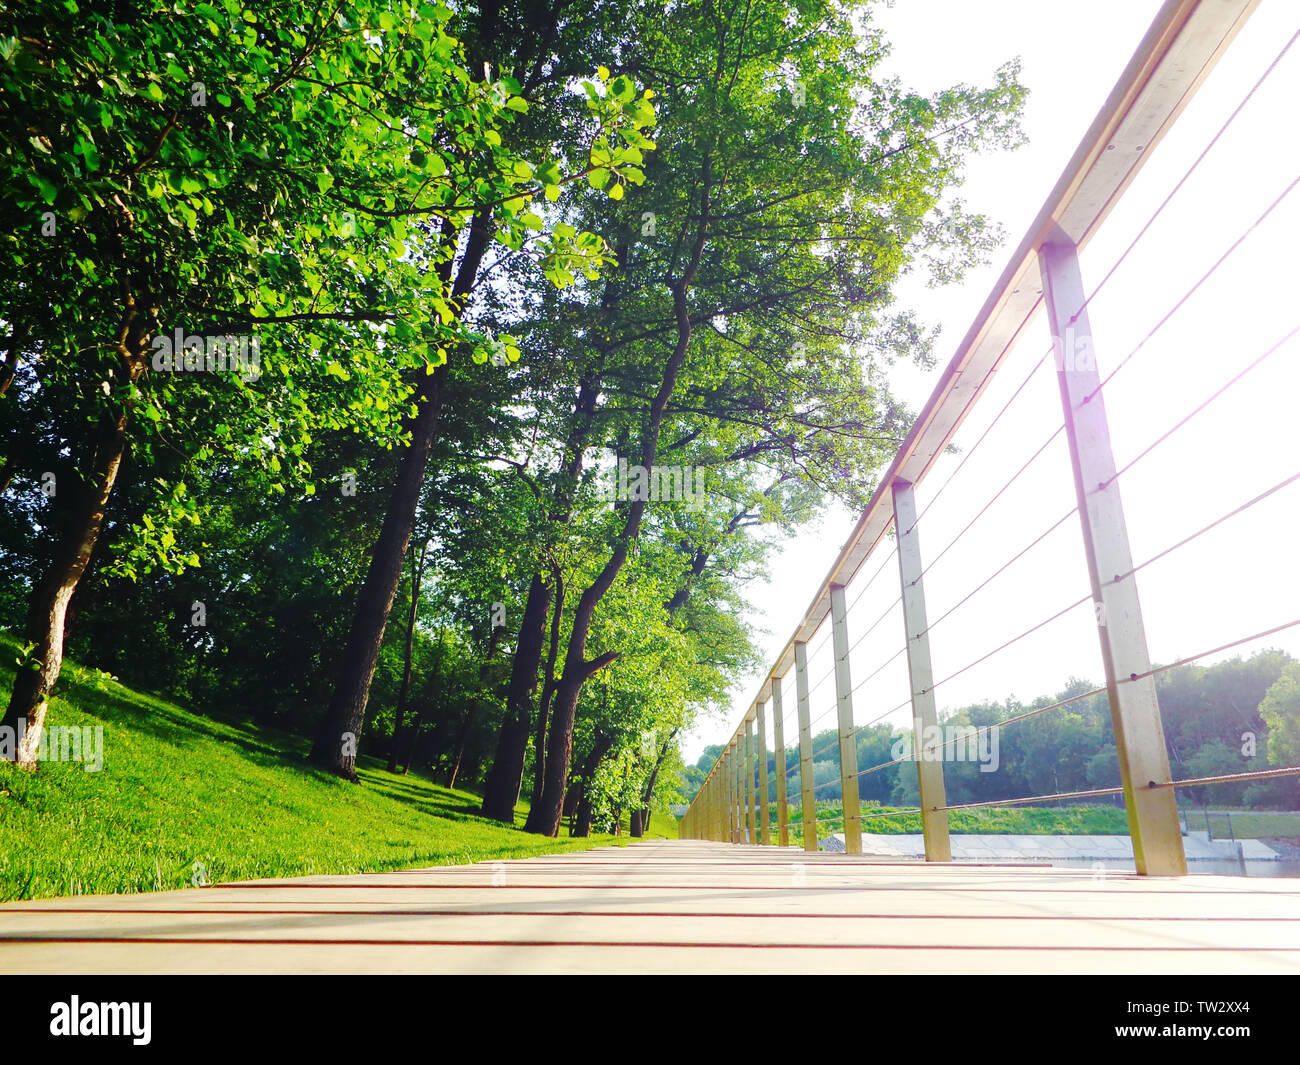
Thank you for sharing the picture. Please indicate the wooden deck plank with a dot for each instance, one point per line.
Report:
(672, 907)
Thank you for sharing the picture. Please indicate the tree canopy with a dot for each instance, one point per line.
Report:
(432, 380)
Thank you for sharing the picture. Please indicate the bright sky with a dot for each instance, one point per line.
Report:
(1238, 579)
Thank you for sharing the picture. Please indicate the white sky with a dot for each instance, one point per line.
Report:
(1240, 578)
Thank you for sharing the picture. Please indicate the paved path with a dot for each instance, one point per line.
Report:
(674, 907)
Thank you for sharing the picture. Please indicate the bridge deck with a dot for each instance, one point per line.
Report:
(674, 907)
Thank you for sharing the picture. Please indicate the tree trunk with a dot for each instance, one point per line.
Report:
(503, 783)
(7, 470)
(582, 826)
(494, 642)
(583, 810)
(399, 711)
(576, 667)
(643, 815)
(571, 797)
(513, 745)
(409, 741)
(336, 743)
(48, 609)
(544, 709)
(618, 808)
(413, 731)
(8, 371)
(460, 746)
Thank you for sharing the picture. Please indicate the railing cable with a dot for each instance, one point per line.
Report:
(1205, 403)
(975, 446)
(1188, 294)
(1214, 524)
(996, 496)
(1188, 172)
(1006, 565)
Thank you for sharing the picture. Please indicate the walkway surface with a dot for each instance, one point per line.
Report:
(675, 907)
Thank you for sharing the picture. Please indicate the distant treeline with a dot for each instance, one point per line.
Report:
(1231, 717)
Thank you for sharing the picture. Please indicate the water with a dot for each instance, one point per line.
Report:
(1203, 867)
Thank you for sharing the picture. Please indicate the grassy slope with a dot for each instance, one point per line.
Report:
(177, 789)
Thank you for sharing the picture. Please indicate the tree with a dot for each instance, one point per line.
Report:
(418, 559)
(162, 159)
(505, 211)
(766, 236)
(1216, 759)
(1280, 712)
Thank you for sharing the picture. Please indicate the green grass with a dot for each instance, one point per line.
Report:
(178, 789)
(1250, 825)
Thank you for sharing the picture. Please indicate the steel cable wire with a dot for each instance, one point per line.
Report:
(1178, 305)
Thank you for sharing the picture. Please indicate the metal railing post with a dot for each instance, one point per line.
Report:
(778, 739)
(719, 810)
(1135, 711)
(706, 810)
(751, 814)
(929, 764)
(733, 778)
(701, 817)
(848, 737)
(715, 822)
(807, 802)
(764, 831)
(724, 801)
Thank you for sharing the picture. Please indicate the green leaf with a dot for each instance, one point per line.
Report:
(622, 89)
(48, 190)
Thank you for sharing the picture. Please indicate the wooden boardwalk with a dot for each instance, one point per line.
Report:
(674, 907)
